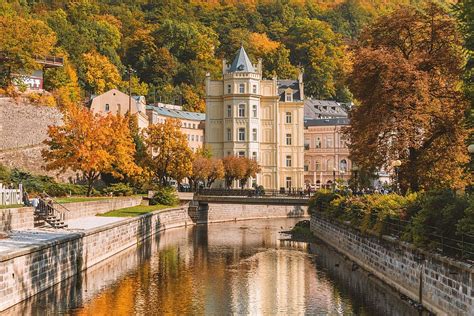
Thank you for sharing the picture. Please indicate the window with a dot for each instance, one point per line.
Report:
(306, 143)
(241, 134)
(107, 107)
(254, 134)
(288, 182)
(328, 142)
(192, 138)
(229, 110)
(228, 89)
(254, 155)
(254, 89)
(241, 110)
(241, 153)
(254, 110)
(318, 142)
(343, 165)
(317, 165)
(242, 88)
(289, 97)
(228, 153)
(185, 125)
(194, 126)
(288, 117)
(288, 139)
(229, 134)
(305, 167)
(288, 160)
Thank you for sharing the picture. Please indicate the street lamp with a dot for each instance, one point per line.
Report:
(470, 149)
(334, 179)
(396, 165)
(130, 71)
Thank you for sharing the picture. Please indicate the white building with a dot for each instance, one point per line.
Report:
(259, 119)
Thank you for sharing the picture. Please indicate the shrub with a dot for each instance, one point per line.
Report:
(119, 189)
(164, 196)
(320, 202)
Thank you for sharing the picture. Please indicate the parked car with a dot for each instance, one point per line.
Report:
(184, 187)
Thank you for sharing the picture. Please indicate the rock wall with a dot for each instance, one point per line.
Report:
(16, 219)
(32, 269)
(24, 125)
(447, 285)
(23, 128)
(92, 208)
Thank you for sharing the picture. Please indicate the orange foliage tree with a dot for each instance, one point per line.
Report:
(169, 155)
(240, 169)
(92, 145)
(407, 78)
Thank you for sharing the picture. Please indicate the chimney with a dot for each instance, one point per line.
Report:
(301, 83)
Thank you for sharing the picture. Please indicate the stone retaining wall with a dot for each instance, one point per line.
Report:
(92, 208)
(448, 285)
(220, 212)
(29, 270)
(16, 219)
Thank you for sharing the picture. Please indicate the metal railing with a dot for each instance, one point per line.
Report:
(460, 247)
(283, 193)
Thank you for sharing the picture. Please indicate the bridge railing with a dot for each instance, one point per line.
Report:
(288, 193)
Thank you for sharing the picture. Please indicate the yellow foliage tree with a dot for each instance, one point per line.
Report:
(261, 45)
(21, 41)
(99, 73)
(92, 145)
(169, 155)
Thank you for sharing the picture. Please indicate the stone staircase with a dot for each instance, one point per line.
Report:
(47, 212)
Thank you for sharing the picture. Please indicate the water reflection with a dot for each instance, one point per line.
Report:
(229, 268)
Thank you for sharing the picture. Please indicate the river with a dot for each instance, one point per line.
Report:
(221, 269)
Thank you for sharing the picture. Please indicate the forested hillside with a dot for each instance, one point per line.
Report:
(171, 45)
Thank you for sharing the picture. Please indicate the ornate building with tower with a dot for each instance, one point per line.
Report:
(261, 119)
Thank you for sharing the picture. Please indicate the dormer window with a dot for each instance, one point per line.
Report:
(242, 88)
(289, 95)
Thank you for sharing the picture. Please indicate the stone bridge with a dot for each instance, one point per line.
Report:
(210, 209)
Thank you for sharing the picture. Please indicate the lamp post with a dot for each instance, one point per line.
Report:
(396, 165)
(334, 179)
(130, 71)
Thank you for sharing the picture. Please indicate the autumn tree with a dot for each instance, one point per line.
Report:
(99, 73)
(91, 145)
(407, 78)
(217, 171)
(22, 40)
(169, 155)
(234, 169)
(239, 169)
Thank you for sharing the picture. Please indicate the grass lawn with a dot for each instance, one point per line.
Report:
(11, 206)
(74, 199)
(134, 211)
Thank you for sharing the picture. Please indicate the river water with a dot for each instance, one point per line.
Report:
(230, 268)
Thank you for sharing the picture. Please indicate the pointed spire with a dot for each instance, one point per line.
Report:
(242, 62)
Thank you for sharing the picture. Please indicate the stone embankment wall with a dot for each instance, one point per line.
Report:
(222, 212)
(16, 219)
(23, 124)
(23, 128)
(448, 285)
(32, 269)
(92, 208)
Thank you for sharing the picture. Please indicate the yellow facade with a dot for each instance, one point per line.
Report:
(259, 119)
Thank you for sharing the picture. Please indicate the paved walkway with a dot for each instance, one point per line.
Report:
(89, 222)
(18, 240)
(21, 239)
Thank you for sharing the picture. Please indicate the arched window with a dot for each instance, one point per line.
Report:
(343, 165)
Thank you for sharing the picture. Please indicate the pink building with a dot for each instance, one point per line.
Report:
(326, 155)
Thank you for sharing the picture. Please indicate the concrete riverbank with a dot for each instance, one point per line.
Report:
(447, 286)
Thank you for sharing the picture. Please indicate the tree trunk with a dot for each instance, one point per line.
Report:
(412, 172)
